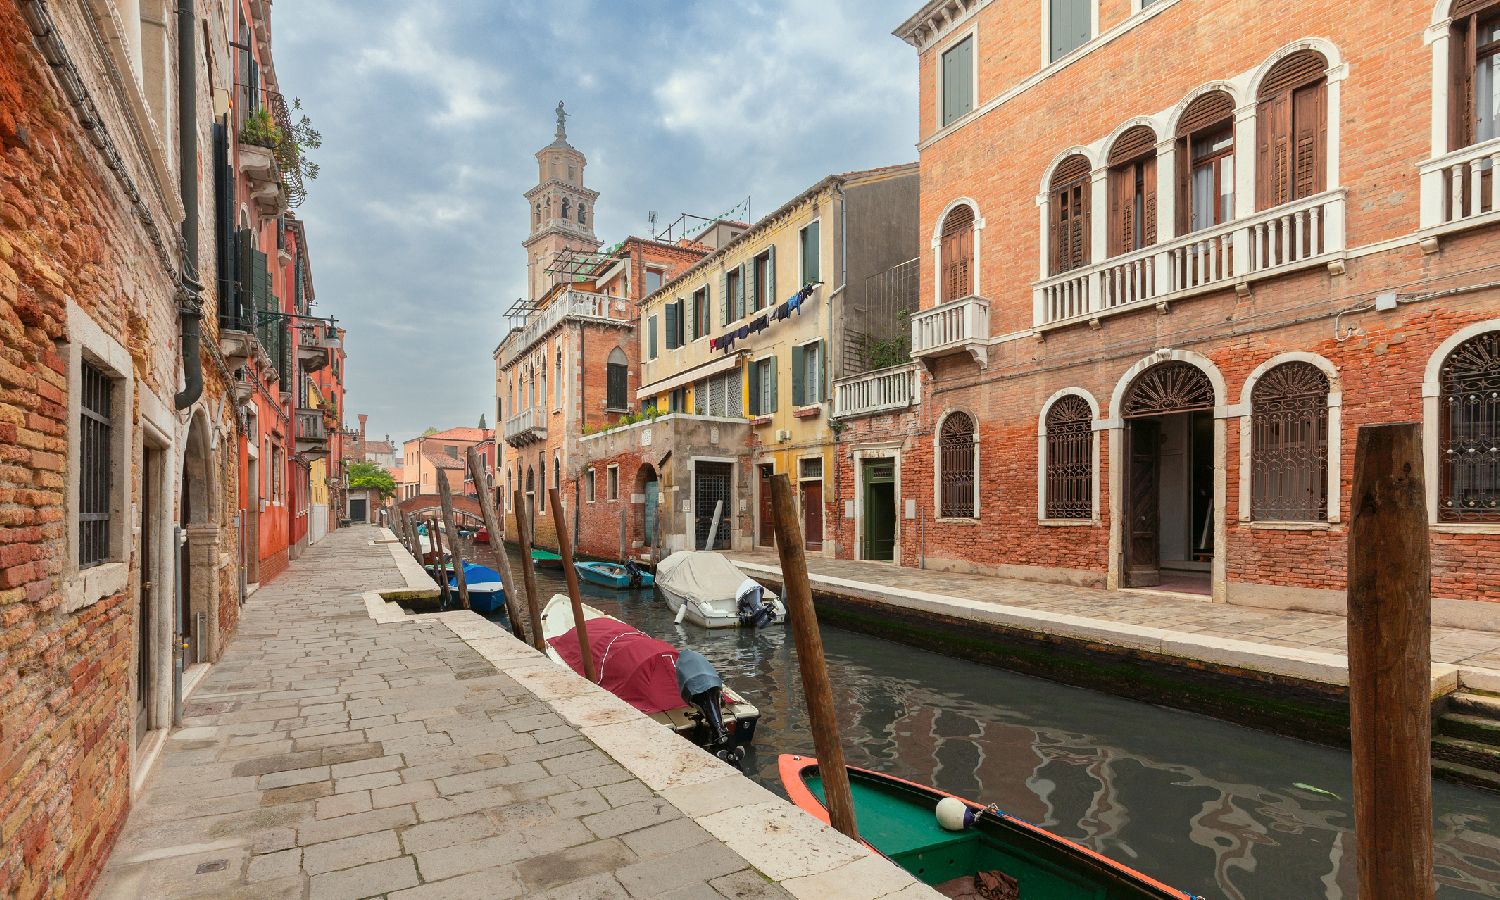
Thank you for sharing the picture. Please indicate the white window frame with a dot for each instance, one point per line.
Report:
(937, 246)
(1335, 441)
(822, 369)
(937, 468)
(612, 482)
(1097, 426)
(1432, 420)
(951, 41)
(1046, 53)
(88, 342)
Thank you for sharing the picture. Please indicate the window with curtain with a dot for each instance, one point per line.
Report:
(1070, 459)
(1132, 191)
(1205, 163)
(1292, 130)
(1469, 431)
(617, 381)
(956, 252)
(958, 451)
(958, 80)
(1289, 444)
(1068, 215)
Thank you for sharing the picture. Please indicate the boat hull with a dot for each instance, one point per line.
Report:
(719, 613)
(896, 818)
(611, 575)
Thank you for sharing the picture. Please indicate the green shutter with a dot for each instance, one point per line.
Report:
(724, 299)
(771, 278)
(771, 403)
(754, 389)
(739, 293)
(810, 245)
(1071, 26)
(958, 80)
(799, 385)
(681, 323)
(820, 367)
(752, 285)
(692, 326)
(671, 325)
(651, 338)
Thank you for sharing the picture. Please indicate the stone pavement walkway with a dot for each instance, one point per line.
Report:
(1129, 612)
(328, 756)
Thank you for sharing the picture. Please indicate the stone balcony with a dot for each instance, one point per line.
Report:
(579, 305)
(312, 432)
(529, 426)
(1460, 190)
(881, 391)
(958, 326)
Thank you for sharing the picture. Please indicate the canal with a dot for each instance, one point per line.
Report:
(1212, 808)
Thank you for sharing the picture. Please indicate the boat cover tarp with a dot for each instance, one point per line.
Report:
(700, 575)
(635, 667)
(474, 575)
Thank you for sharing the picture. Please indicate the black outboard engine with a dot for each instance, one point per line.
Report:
(634, 572)
(753, 610)
(699, 683)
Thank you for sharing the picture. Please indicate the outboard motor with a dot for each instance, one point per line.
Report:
(699, 683)
(751, 607)
(634, 572)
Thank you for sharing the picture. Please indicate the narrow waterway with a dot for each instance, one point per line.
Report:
(1215, 809)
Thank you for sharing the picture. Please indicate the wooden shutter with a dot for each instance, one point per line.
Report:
(724, 309)
(754, 385)
(1071, 25)
(1184, 163)
(671, 326)
(1273, 177)
(1148, 200)
(957, 251)
(739, 293)
(1309, 140)
(799, 380)
(753, 285)
(771, 276)
(817, 373)
(1461, 66)
(770, 365)
(651, 337)
(1121, 209)
(958, 80)
(692, 318)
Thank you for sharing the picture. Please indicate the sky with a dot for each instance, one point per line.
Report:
(431, 112)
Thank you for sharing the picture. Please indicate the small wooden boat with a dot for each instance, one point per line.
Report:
(545, 559)
(486, 592)
(676, 688)
(967, 850)
(615, 575)
(705, 588)
(482, 536)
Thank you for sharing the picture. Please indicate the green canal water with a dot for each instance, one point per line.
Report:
(1212, 808)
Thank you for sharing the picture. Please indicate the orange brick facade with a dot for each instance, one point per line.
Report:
(999, 158)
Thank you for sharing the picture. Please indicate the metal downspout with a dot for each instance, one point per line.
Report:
(189, 290)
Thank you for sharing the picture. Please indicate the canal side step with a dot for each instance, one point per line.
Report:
(1469, 727)
(1468, 753)
(1475, 703)
(1462, 774)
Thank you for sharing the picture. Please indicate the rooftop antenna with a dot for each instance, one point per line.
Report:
(651, 217)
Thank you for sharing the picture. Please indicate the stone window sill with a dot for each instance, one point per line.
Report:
(1465, 527)
(956, 521)
(1068, 523)
(88, 586)
(760, 420)
(808, 412)
(1287, 526)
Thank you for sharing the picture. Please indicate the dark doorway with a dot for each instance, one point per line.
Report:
(651, 494)
(879, 539)
(358, 509)
(711, 486)
(1142, 550)
(765, 535)
(146, 556)
(185, 576)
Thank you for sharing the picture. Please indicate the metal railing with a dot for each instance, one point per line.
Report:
(1303, 232)
(571, 304)
(882, 390)
(950, 326)
(311, 427)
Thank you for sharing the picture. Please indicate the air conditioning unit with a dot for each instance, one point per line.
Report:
(783, 435)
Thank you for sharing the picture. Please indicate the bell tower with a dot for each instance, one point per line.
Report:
(561, 209)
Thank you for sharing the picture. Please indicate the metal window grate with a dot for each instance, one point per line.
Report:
(96, 428)
(1070, 459)
(1469, 435)
(1289, 445)
(711, 486)
(956, 446)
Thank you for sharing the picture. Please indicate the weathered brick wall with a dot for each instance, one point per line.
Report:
(599, 522)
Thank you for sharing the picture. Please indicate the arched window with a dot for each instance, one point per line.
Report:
(958, 457)
(558, 380)
(1205, 163)
(537, 216)
(1132, 191)
(1070, 459)
(1289, 444)
(1068, 228)
(1291, 158)
(566, 208)
(557, 471)
(1473, 94)
(616, 381)
(957, 253)
(531, 495)
(582, 215)
(1469, 431)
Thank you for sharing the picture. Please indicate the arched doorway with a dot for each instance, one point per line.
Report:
(1170, 501)
(196, 616)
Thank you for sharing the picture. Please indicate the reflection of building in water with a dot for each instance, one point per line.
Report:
(1233, 835)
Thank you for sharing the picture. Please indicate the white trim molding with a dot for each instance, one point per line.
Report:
(937, 248)
(937, 466)
(1431, 391)
(1334, 461)
(1041, 457)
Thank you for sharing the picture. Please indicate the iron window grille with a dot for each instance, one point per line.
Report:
(957, 449)
(1070, 459)
(1289, 445)
(1469, 431)
(1168, 387)
(96, 426)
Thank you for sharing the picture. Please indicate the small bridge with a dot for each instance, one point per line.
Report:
(462, 503)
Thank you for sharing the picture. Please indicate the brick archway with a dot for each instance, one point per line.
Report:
(461, 503)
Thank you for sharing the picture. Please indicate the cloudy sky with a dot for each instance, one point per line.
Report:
(431, 111)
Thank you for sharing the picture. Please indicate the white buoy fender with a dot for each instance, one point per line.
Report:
(951, 814)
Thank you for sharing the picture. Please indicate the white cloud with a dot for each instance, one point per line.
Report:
(468, 91)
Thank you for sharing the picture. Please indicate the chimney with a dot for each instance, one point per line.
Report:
(362, 419)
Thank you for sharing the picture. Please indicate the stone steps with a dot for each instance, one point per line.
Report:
(1466, 740)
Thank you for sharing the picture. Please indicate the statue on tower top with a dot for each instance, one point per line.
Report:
(562, 122)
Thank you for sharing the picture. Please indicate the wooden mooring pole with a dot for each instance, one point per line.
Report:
(803, 620)
(528, 572)
(439, 571)
(496, 528)
(450, 525)
(1390, 665)
(570, 574)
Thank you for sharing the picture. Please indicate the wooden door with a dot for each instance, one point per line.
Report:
(812, 514)
(765, 535)
(879, 524)
(1143, 513)
(146, 554)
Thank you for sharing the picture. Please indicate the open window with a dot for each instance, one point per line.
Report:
(1205, 163)
(1132, 191)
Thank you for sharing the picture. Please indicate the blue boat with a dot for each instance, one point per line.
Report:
(615, 575)
(486, 593)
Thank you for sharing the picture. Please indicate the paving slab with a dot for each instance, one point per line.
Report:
(342, 748)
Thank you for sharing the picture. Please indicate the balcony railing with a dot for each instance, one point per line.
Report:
(571, 305)
(955, 327)
(312, 432)
(1461, 185)
(527, 427)
(1294, 235)
(883, 390)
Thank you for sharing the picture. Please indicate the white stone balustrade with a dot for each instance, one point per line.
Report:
(883, 390)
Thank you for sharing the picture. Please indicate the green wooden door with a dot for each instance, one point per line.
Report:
(879, 537)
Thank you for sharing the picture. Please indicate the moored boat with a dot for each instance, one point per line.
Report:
(676, 688)
(486, 592)
(707, 589)
(965, 849)
(624, 576)
(545, 559)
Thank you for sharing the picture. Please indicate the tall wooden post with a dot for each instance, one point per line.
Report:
(439, 570)
(450, 525)
(803, 619)
(496, 528)
(713, 528)
(565, 550)
(528, 573)
(1390, 665)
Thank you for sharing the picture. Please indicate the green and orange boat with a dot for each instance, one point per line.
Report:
(966, 850)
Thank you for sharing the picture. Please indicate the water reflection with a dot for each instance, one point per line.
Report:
(1212, 808)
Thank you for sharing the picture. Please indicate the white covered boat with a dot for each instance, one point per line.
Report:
(705, 588)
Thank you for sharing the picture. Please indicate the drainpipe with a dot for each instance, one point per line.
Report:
(189, 293)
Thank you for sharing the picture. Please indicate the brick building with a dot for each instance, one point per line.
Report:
(424, 455)
(570, 367)
(1178, 255)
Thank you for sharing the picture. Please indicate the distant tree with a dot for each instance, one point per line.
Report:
(430, 430)
(371, 476)
(481, 422)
